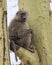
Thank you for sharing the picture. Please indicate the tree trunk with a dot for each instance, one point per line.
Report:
(40, 20)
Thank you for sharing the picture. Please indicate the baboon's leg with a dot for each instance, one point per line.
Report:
(29, 44)
(23, 41)
(14, 48)
(26, 42)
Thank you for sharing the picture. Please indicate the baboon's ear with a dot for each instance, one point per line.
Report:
(17, 13)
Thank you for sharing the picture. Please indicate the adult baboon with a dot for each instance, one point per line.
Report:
(20, 33)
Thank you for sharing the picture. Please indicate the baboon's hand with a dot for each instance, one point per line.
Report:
(30, 31)
(31, 49)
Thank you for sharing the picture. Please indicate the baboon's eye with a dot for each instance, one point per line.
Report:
(23, 14)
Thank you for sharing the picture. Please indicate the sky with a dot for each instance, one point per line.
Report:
(12, 8)
(51, 6)
(13, 60)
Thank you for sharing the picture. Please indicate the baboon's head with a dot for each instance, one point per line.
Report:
(21, 15)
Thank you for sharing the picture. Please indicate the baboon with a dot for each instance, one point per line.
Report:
(20, 35)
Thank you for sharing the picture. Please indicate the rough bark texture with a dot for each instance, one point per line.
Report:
(4, 47)
(27, 57)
